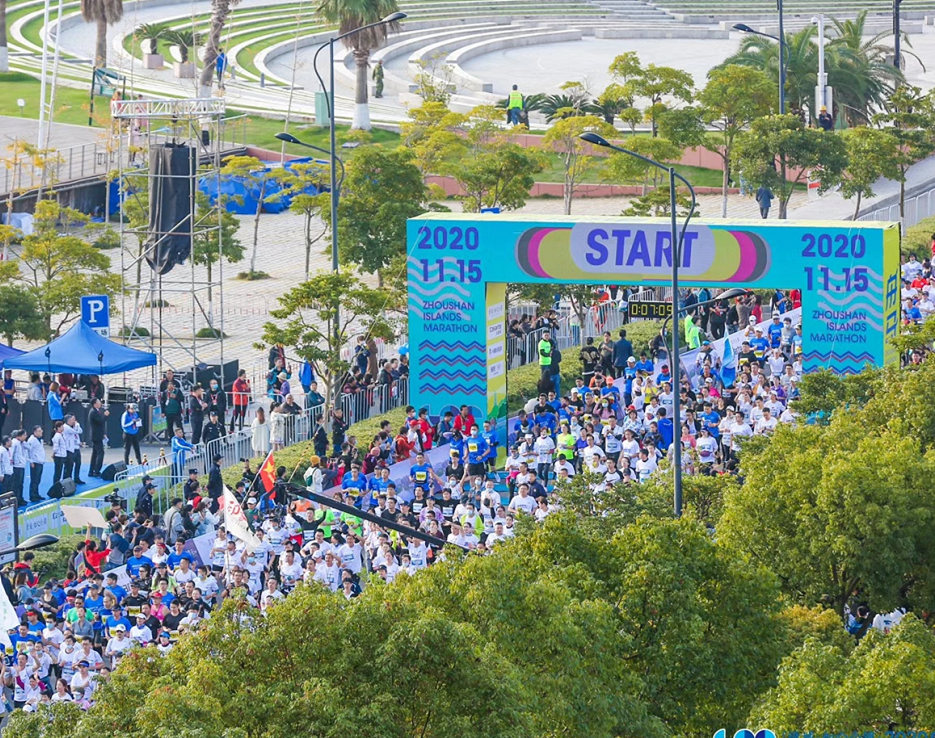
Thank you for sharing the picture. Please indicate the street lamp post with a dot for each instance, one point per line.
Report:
(780, 39)
(675, 254)
(391, 18)
(897, 61)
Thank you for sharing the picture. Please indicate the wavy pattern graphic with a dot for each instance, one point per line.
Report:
(452, 374)
(449, 346)
(449, 389)
(460, 360)
(836, 358)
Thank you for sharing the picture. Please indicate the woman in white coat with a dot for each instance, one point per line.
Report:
(260, 429)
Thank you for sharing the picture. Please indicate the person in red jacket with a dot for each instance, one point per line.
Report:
(92, 557)
(241, 397)
(464, 421)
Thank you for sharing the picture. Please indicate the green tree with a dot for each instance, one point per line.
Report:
(20, 314)
(433, 135)
(563, 137)
(500, 176)
(352, 14)
(319, 317)
(908, 115)
(732, 99)
(59, 267)
(215, 239)
(382, 190)
(255, 175)
(884, 684)
(658, 85)
(848, 514)
(313, 207)
(784, 138)
(871, 154)
(625, 168)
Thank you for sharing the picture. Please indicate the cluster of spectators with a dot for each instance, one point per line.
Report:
(918, 291)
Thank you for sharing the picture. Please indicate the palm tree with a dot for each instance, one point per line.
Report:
(801, 60)
(104, 13)
(351, 14)
(859, 71)
(220, 12)
(185, 39)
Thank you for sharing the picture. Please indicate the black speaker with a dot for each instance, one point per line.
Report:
(205, 137)
(63, 488)
(172, 168)
(110, 472)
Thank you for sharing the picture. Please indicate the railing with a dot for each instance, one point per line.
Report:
(917, 208)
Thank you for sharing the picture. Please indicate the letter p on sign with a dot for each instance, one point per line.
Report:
(95, 311)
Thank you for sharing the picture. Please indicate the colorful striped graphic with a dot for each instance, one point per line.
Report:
(739, 256)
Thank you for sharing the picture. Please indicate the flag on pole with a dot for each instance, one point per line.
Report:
(728, 364)
(268, 472)
(236, 521)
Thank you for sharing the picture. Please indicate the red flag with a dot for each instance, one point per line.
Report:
(268, 473)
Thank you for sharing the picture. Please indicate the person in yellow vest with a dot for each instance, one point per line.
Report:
(514, 106)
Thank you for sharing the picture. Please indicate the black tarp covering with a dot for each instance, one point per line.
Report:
(172, 169)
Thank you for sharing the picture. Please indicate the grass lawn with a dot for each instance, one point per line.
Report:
(71, 103)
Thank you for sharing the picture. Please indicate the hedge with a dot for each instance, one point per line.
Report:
(918, 239)
(522, 383)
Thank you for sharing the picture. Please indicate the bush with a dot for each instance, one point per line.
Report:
(52, 561)
(918, 239)
(139, 331)
(210, 333)
(252, 276)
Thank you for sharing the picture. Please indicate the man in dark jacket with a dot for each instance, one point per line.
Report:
(214, 428)
(215, 483)
(623, 350)
(97, 419)
(196, 413)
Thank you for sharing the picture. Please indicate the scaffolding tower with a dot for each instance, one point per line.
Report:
(164, 313)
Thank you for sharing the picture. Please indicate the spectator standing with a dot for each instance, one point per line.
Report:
(97, 420)
(72, 432)
(171, 400)
(196, 412)
(36, 460)
(131, 423)
(241, 396)
(259, 441)
(623, 350)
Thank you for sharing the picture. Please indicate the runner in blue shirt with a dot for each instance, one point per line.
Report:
(760, 346)
(477, 449)
(644, 365)
(355, 481)
(711, 420)
(422, 473)
(774, 332)
(493, 443)
(665, 428)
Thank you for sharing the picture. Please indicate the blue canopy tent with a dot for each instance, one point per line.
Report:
(82, 351)
(8, 352)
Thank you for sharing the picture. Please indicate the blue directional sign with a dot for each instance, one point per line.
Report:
(95, 311)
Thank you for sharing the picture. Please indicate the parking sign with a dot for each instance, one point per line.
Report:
(95, 311)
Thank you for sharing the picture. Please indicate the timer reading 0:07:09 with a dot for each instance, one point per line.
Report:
(451, 270)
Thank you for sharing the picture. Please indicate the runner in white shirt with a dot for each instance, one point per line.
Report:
(767, 424)
(328, 573)
(738, 431)
(349, 554)
(417, 554)
(706, 446)
(523, 502)
(645, 466)
(630, 447)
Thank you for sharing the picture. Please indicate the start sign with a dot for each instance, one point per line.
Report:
(460, 264)
(649, 310)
